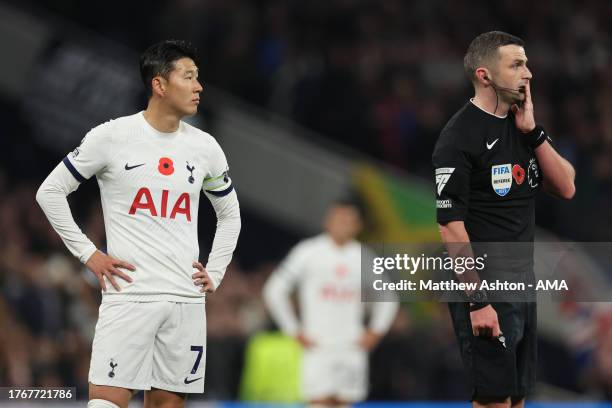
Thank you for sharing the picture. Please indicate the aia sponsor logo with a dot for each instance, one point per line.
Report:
(335, 293)
(143, 202)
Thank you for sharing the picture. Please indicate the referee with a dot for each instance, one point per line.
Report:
(490, 160)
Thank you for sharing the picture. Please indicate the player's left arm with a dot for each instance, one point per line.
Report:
(382, 317)
(224, 243)
(558, 173)
(382, 313)
(220, 191)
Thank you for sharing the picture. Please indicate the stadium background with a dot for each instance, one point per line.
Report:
(311, 100)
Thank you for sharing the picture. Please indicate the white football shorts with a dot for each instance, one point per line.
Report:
(333, 372)
(144, 345)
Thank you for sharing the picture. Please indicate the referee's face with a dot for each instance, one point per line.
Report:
(512, 72)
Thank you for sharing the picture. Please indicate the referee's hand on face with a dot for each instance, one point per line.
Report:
(484, 322)
(524, 118)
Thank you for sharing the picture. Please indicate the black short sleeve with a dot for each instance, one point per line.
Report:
(452, 177)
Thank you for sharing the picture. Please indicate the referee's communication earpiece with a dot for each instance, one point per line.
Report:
(496, 87)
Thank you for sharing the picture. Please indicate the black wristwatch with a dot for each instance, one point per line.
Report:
(478, 299)
(537, 136)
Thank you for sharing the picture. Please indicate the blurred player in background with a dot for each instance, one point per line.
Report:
(150, 167)
(491, 159)
(326, 270)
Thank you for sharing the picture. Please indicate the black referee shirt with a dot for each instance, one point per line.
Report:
(487, 176)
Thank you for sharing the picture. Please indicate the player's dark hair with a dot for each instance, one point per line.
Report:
(159, 59)
(351, 200)
(484, 48)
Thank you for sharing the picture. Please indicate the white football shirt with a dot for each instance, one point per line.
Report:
(150, 185)
(328, 281)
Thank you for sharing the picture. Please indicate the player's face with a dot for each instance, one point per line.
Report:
(512, 72)
(183, 88)
(343, 223)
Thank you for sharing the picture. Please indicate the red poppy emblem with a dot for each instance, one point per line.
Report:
(518, 173)
(166, 167)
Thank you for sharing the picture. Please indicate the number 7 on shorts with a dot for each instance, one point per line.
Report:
(200, 350)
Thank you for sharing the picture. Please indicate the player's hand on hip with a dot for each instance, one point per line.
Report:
(485, 323)
(369, 340)
(201, 278)
(524, 117)
(105, 265)
(304, 341)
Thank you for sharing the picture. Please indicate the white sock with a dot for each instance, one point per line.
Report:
(100, 403)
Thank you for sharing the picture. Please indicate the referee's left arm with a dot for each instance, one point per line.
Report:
(558, 173)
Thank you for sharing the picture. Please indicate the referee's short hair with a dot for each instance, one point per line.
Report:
(483, 48)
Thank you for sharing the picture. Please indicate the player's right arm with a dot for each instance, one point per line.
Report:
(452, 171)
(87, 160)
(277, 293)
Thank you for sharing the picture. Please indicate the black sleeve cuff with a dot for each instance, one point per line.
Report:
(73, 170)
(477, 306)
(446, 218)
(537, 136)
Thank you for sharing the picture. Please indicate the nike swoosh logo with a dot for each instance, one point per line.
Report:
(187, 381)
(490, 146)
(133, 167)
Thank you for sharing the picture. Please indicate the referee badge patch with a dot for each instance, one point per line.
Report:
(442, 176)
(533, 173)
(501, 179)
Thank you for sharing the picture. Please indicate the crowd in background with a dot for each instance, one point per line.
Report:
(383, 76)
(380, 76)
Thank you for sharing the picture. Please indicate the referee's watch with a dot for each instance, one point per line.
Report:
(478, 300)
(537, 136)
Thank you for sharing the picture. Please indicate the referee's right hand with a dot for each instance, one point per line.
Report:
(484, 322)
(104, 265)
